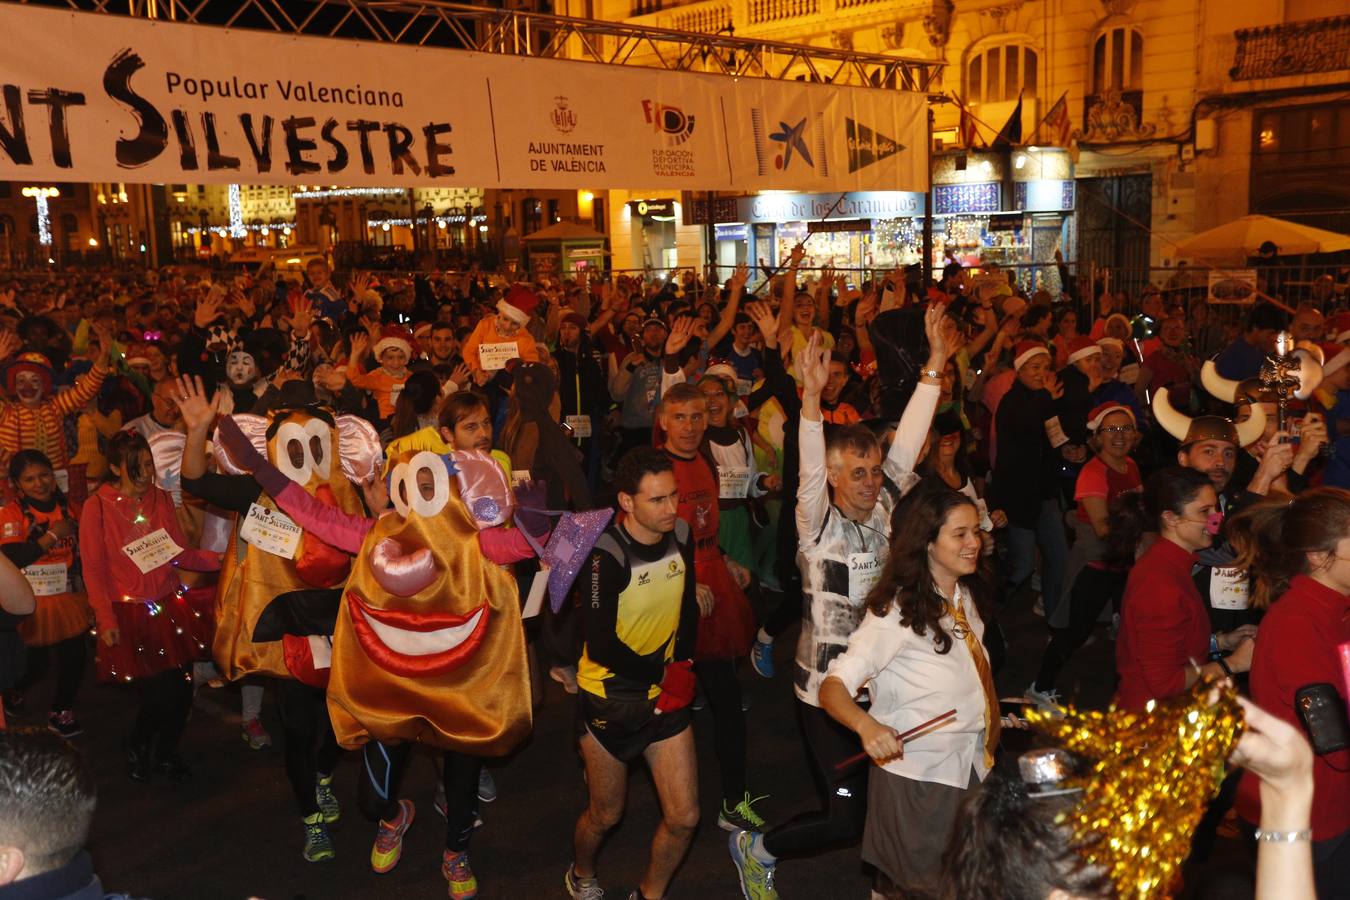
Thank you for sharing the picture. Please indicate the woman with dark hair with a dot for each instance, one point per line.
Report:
(150, 628)
(1164, 622)
(416, 404)
(37, 533)
(919, 652)
(1065, 329)
(1300, 551)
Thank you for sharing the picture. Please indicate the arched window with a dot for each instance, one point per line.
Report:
(1118, 60)
(998, 72)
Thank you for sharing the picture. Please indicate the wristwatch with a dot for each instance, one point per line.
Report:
(932, 373)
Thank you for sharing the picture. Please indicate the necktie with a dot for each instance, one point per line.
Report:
(993, 724)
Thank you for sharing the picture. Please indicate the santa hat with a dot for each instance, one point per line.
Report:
(395, 336)
(1100, 412)
(1336, 356)
(1081, 347)
(1111, 318)
(721, 370)
(1026, 351)
(519, 304)
(29, 362)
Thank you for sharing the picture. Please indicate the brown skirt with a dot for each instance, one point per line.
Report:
(908, 824)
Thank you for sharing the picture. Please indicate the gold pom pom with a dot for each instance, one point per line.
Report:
(1152, 775)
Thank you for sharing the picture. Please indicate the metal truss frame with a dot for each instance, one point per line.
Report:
(435, 23)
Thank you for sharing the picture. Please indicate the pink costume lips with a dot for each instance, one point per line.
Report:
(416, 644)
(403, 575)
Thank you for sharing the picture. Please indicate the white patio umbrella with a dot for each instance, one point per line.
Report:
(1243, 237)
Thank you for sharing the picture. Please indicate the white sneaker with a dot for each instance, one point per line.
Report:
(1047, 701)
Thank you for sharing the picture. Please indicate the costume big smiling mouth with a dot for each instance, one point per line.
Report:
(417, 644)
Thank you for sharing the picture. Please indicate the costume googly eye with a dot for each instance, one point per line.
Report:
(319, 447)
(292, 436)
(428, 506)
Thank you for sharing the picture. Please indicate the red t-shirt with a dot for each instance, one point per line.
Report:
(1097, 479)
(1164, 624)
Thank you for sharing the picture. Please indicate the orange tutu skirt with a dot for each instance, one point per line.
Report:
(57, 618)
(729, 631)
(155, 636)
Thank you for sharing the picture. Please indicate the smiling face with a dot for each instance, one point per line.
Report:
(955, 552)
(428, 645)
(36, 482)
(30, 388)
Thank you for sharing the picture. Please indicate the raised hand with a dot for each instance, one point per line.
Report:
(106, 339)
(198, 410)
(461, 376)
(245, 304)
(938, 349)
(867, 308)
(681, 332)
(814, 365)
(796, 256)
(302, 319)
(9, 344)
(360, 344)
(738, 278)
(360, 282)
(765, 320)
(208, 307)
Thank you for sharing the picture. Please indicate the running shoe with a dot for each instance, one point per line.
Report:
(460, 878)
(756, 877)
(487, 788)
(741, 817)
(318, 845)
(255, 735)
(761, 657)
(582, 888)
(1047, 700)
(384, 855)
(64, 724)
(327, 800)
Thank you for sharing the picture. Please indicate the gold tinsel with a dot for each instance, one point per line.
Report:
(1152, 775)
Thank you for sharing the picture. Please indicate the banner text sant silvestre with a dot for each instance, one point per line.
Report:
(297, 133)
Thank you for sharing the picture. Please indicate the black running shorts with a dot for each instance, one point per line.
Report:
(625, 728)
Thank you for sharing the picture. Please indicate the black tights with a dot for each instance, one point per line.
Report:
(1092, 590)
(71, 660)
(311, 748)
(843, 792)
(166, 701)
(722, 690)
(383, 766)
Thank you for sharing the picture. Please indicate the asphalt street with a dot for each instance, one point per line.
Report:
(232, 832)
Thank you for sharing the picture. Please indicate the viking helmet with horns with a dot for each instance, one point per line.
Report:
(1190, 430)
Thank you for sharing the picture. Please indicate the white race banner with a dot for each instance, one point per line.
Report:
(99, 97)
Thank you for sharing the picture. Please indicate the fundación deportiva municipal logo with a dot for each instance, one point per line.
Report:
(563, 118)
(802, 140)
(673, 123)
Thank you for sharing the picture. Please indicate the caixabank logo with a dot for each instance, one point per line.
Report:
(867, 145)
(798, 140)
(673, 124)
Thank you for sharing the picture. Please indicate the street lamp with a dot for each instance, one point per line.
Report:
(40, 196)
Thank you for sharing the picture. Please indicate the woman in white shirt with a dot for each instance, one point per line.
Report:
(918, 653)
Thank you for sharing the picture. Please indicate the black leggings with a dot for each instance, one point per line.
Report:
(311, 748)
(843, 792)
(71, 660)
(383, 766)
(1092, 590)
(166, 701)
(789, 608)
(722, 690)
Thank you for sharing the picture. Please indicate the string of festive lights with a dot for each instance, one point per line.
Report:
(237, 228)
(284, 228)
(344, 192)
(44, 214)
(441, 221)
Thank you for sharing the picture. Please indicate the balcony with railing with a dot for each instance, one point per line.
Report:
(1294, 48)
(751, 16)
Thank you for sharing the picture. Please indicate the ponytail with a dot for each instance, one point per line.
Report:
(1274, 538)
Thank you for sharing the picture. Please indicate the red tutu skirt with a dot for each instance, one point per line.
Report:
(729, 631)
(156, 636)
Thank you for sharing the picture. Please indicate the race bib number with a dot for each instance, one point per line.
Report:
(534, 603)
(863, 571)
(62, 480)
(986, 523)
(271, 531)
(394, 393)
(744, 386)
(1055, 432)
(152, 551)
(496, 356)
(1228, 589)
(1128, 374)
(519, 477)
(47, 579)
(580, 425)
(733, 482)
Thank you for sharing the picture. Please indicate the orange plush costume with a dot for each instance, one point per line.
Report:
(429, 645)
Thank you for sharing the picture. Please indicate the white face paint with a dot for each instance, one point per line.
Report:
(240, 369)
